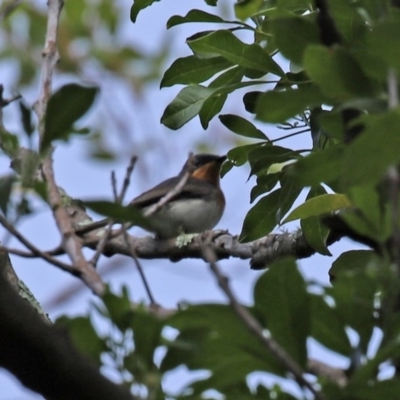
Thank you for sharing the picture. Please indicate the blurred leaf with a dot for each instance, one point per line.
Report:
(378, 144)
(194, 16)
(84, 336)
(224, 43)
(211, 337)
(337, 73)
(186, 105)
(139, 5)
(280, 296)
(262, 218)
(6, 183)
(26, 118)
(318, 167)
(293, 35)
(279, 106)
(9, 143)
(65, 107)
(247, 8)
(382, 40)
(322, 204)
(386, 389)
(119, 309)
(118, 212)
(354, 292)
(192, 70)
(327, 327)
(147, 335)
(241, 126)
(351, 262)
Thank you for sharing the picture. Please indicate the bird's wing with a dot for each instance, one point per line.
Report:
(193, 188)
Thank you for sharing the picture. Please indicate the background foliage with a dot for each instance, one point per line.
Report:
(340, 87)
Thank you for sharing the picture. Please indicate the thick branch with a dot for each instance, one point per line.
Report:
(43, 358)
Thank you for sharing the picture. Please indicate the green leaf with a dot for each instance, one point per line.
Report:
(84, 336)
(213, 105)
(186, 105)
(262, 218)
(369, 156)
(266, 155)
(119, 309)
(279, 106)
(194, 16)
(265, 183)
(139, 5)
(242, 127)
(354, 291)
(191, 70)
(323, 204)
(65, 107)
(6, 183)
(337, 73)
(386, 389)
(352, 261)
(26, 118)
(250, 100)
(327, 327)
(9, 143)
(293, 35)
(318, 167)
(247, 9)
(147, 335)
(382, 40)
(224, 43)
(118, 212)
(280, 296)
(211, 337)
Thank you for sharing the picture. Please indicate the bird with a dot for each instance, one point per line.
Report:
(196, 208)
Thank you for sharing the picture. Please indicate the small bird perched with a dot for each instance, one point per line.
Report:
(191, 202)
(197, 207)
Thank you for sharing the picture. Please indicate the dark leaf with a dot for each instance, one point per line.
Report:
(327, 327)
(84, 337)
(6, 183)
(241, 126)
(139, 5)
(194, 16)
(65, 107)
(26, 118)
(262, 218)
(281, 298)
(279, 106)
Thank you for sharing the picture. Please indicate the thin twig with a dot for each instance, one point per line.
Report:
(118, 199)
(35, 251)
(127, 179)
(175, 190)
(254, 327)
